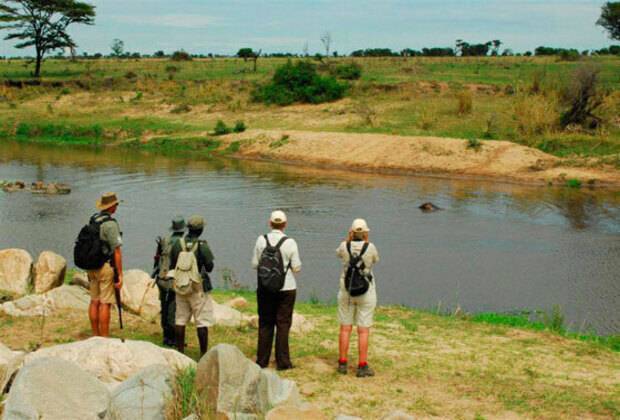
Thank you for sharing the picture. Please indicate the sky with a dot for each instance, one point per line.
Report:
(222, 27)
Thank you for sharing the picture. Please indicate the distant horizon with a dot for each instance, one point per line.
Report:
(203, 27)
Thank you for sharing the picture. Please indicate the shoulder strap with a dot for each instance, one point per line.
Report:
(267, 240)
(349, 248)
(105, 217)
(183, 244)
(195, 247)
(364, 249)
(281, 241)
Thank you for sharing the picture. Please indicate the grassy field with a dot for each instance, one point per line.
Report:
(124, 101)
(451, 366)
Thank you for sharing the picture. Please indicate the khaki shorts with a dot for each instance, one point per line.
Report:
(102, 284)
(358, 310)
(197, 304)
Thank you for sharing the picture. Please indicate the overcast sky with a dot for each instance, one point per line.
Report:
(222, 27)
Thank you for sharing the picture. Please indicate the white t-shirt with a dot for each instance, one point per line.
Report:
(370, 258)
(290, 254)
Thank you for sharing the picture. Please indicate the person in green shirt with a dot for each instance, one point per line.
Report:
(198, 303)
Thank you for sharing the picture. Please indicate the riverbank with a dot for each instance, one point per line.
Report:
(428, 365)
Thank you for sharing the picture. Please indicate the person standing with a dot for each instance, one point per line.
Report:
(164, 282)
(357, 297)
(101, 253)
(197, 301)
(276, 259)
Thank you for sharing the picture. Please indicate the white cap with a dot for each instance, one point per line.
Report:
(278, 216)
(360, 225)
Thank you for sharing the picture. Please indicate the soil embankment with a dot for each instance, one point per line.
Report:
(435, 156)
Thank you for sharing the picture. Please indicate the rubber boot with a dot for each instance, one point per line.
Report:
(203, 339)
(180, 336)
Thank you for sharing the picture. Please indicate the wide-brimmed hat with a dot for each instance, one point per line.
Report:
(107, 200)
(196, 222)
(278, 216)
(359, 226)
(178, 224)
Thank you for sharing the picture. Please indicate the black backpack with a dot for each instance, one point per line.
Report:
(271, 272)
(356, 281)
(88, 253)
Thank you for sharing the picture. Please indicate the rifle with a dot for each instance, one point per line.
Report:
(117, 295)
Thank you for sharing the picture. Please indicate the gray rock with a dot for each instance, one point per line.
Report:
(139, 296)
(49, 272)
(64, 297)
(144, 395)
(80, 278)
(234, 385)
(15, 271)
(55, 389)
(398, 415)
(227, 316)
(346, 417)
(10, 362)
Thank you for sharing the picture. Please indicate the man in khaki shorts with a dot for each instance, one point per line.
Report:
(198, 303)
(102, 280)
(357, 310)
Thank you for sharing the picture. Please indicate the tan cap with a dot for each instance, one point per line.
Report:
(196, 222)
(360, 225)
(107, 200)
(278, 216)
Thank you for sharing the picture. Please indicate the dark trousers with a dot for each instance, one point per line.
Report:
(168, 312)
(275, 312)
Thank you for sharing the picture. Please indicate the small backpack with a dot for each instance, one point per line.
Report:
(186, 271)
(271, 273)
(88, 252)
(356, 281)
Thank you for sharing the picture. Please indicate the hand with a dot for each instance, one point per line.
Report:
(350, 236)
(119, 284)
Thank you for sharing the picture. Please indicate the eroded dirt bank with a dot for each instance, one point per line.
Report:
(496, 160)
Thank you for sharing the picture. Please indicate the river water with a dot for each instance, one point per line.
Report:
(501, 248)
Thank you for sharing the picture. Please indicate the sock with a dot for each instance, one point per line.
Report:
(362, 364)
(341, 361)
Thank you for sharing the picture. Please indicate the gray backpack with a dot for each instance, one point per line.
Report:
(186, 272)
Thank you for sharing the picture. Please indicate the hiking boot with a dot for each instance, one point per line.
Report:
(364, 371)
(342, 368)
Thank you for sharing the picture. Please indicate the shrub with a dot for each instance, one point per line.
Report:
(465, 102)
(570, 55)
(130, 75)
(474, 143)
(582, 98)
(573, 183)
(535, 114)
(239, 127)
(181, 56)
(350, 71)
(299, 82)
(221, 128)
(181, 109)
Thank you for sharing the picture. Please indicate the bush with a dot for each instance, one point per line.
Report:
(221, 128)
(350, 71)
(181, 56)
(535, 114)
(239, 127)
(474, 143)
(583, 98)
(299, 82)
(465, 102)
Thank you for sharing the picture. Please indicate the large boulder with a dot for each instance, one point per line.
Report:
(300, 324)
(144, 395)
(15, 271)
(139, 294)
(227, 316)
(49, 272)
(238, 303)
(80, 278)
(10, 361)
(60, 298)
(235, 386)
(113, 361)
(398, 415)
(55, 389)
(303, 412)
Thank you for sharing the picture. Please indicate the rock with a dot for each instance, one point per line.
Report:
(10, 361)
(49, 272)
(80, 278)
(55, 389)
(63, 297)
(15, 271)
(300, 324)
(112, 361)
(192, 417)
(227, 316)
(237, 303)
(139, 296)
(398, 415)
(304, 412)
(234, 385)
(346, 417)
(429, 208)
(144, 395)
(309, 389)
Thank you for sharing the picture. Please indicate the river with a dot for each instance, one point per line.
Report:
(493, 247)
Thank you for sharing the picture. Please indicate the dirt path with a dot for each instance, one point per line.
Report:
(447, 157)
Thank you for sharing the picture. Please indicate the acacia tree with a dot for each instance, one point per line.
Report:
(117, 47)
(326, 39)
(43, 24)
(610, 19)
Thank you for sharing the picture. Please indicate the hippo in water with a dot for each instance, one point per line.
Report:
(429, 207)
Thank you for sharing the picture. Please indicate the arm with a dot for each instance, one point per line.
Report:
(295, 260)
(208, 258)
(256, 253)
(118, 266)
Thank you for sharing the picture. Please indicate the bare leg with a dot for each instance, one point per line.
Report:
(345, 337)
(104, 319)
(362, 334)
(93, 315)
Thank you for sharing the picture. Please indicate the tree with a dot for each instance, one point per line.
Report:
(326, 39)
(610, 19)
(43, 24)
(117, 47)
(496, 44)
(245, 53)
(159, 54)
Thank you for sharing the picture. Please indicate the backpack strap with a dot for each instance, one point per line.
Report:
(183, 244)
(266, 240)
(362, 252)
(281, 241)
